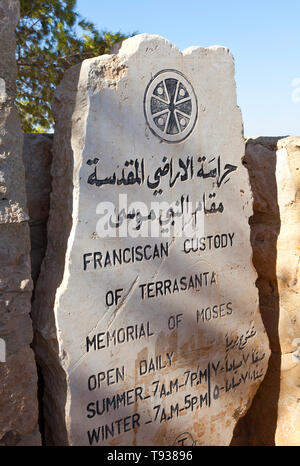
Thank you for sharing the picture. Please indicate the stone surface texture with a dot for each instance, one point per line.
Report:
(37, 157)
(274, 169)
(100, 111)
(18, 375)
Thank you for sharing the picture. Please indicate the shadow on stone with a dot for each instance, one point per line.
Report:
(45, 342)
(258, 426)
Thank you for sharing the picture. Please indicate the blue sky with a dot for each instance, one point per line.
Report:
(264, 37)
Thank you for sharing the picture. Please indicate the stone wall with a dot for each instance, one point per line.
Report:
(18, 375)
(273, 165)
(274, 170)
(274, 175)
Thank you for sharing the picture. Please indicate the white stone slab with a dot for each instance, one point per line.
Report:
(160, 338)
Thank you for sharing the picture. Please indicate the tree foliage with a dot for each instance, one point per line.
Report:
(51, 37)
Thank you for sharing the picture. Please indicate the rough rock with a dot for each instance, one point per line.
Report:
(274, 171)
(206, 346)
(288, 276)
(37, 157)
(18, 375)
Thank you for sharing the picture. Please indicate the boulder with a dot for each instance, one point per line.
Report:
(18, 374)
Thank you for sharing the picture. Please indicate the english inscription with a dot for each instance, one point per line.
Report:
(157, 313)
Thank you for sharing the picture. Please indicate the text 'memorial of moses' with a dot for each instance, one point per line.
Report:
(159, 335)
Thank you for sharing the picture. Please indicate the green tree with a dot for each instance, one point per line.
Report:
(51, 37)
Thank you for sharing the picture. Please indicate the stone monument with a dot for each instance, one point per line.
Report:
(146, 311)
